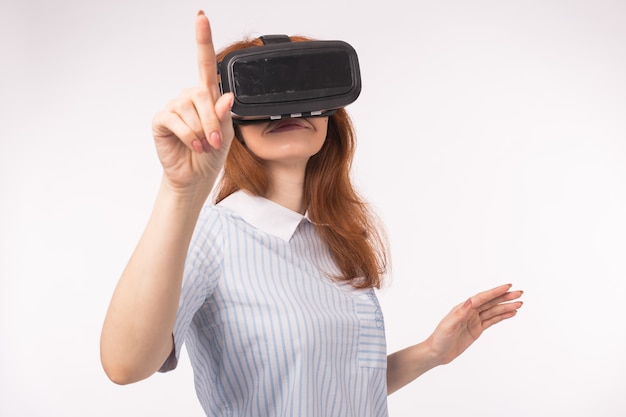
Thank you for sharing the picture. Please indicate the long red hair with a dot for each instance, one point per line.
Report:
(342, 218)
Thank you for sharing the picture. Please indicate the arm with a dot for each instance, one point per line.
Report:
(137, 333)
(454, 334)
(192, 137)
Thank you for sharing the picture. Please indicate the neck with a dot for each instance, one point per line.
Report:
(287, 189)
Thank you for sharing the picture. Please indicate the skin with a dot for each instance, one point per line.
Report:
(285, 147)
(192, 137)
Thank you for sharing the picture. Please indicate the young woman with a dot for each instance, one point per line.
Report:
(272, 287)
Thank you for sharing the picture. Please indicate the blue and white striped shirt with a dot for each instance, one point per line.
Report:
(267, 331)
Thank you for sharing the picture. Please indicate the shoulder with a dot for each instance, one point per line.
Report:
(212, 218)
(209, 228)
(215, 223)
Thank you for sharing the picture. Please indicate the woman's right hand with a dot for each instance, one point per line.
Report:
(194, 132)
(192, 135)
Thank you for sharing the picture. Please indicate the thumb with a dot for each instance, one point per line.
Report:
(462, 311)
(223, 106)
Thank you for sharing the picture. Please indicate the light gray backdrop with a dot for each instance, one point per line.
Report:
(492, 141)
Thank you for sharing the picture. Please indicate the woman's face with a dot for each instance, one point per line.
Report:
(286, 141)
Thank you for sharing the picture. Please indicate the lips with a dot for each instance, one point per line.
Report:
(287, 124)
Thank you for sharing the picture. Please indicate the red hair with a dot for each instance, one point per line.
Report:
(342, 218)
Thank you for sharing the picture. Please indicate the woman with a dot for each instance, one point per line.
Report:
(272, 288)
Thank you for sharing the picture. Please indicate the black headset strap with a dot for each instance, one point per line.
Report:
(268, 39)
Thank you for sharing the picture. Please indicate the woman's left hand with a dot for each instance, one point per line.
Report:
(467, 321)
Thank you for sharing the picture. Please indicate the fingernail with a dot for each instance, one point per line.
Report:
(196, 146)
(200, 12)
(216, 139)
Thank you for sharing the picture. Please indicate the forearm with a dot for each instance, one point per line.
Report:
(137, 331)
(408, 364)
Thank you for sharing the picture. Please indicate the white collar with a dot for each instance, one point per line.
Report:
(263, 214)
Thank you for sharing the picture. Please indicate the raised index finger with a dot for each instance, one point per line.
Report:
(207, 66)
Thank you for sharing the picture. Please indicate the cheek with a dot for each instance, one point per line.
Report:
(251, 137)
(321, 126)
(248, 131)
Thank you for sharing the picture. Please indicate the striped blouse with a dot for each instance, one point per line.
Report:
(267, 332)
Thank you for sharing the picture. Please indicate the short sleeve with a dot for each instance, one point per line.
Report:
(201, 274)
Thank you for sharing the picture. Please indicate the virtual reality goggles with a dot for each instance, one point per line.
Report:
(283, 79)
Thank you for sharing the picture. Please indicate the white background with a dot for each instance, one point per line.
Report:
(492, 141)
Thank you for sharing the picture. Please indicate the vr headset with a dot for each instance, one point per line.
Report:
(283, 79)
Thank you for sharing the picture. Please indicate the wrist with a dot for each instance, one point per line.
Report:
(188, 196)
(180, 205)
(431, 355)
(408, 364)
